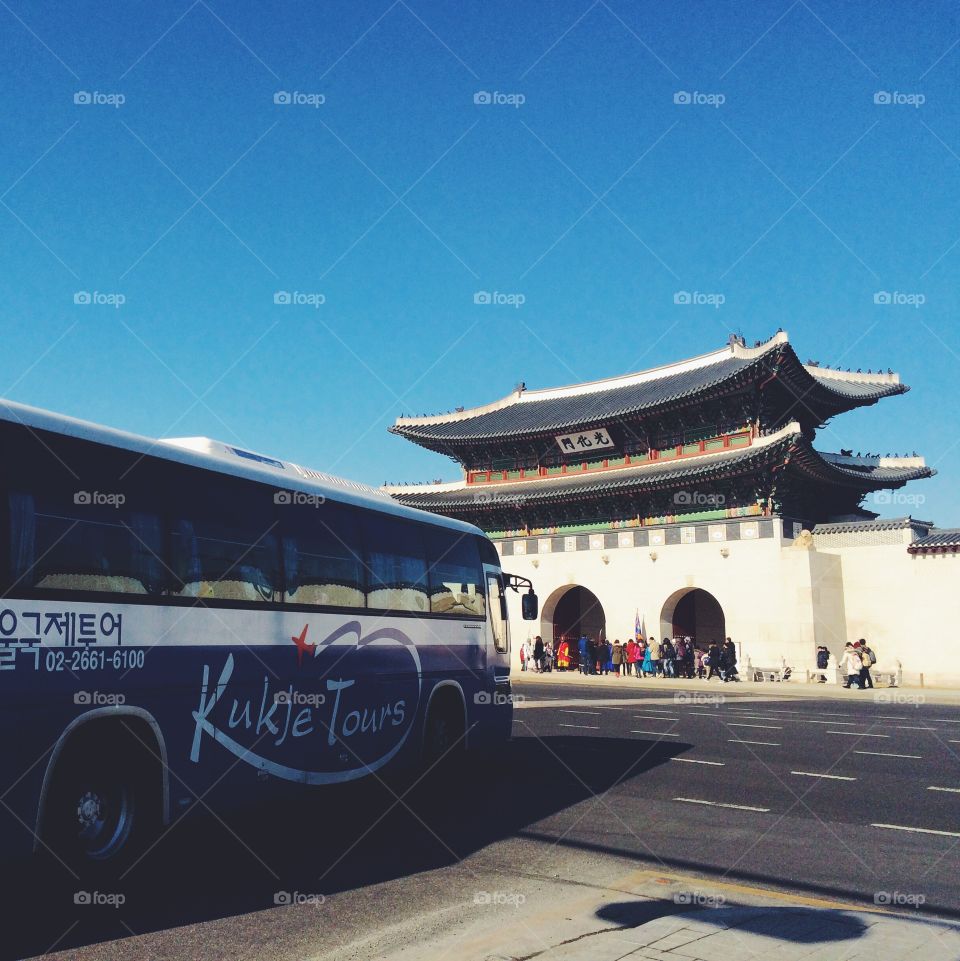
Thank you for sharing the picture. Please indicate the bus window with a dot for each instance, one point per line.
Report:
(323, 563)
(456, 583)
(64, 542)
(498, 612)
(396, 564)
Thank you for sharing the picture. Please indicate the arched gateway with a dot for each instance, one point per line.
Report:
(570, 611)
(693, 612)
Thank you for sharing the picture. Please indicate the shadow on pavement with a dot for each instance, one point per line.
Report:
(329, 840)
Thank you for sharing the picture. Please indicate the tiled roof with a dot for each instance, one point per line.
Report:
(947, 539)
(877, 524)
(786, 443)
(582, 405)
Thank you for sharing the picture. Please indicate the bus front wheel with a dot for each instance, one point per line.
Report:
(444, 732)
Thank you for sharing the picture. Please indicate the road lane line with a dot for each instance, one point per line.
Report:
(655, 717)
(581, 727)
(858, 734)
(721, 804)
(916, 757)
(562, 711)
(903, 827)
(655, 733)
(766, 727)
(949, 790)
(691, 760)
(904, 727)
(833, 777)
(767, 743)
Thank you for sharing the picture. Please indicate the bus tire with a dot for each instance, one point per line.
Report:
(105, 801)
(443, 735)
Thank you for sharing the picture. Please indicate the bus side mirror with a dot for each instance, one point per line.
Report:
(530, 606)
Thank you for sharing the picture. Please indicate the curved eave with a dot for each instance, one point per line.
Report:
(805, 459)
(818, 393)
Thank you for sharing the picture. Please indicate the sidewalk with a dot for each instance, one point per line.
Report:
(906, 696)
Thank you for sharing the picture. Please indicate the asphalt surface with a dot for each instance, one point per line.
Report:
(707, 786)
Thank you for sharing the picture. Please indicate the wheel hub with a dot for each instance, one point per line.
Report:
(89, 810)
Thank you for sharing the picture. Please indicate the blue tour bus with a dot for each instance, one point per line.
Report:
(179, 616)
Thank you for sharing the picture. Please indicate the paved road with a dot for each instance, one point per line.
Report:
(615, 805)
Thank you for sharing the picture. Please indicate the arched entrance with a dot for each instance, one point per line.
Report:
(569, 612)
(693, 612)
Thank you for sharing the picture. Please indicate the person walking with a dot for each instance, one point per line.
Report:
(712, 660)
(526, 653)
(688, 641)
(646, 663)
(548, 656)
(823, 663)
(869, 659)
(584, 648)
(538, 653)
(729, 659)
(680, 650)
(616, 657)
(668, 658)
(630, 655)
(851, 665)
(603, 656)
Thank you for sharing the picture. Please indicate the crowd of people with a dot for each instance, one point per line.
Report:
(676, 657)
(671, 657)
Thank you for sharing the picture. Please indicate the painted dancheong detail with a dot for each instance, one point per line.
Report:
(358, 719)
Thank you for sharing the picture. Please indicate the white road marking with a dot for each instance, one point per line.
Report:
(916, 757)
(767, 743)
(766, 727)
(656, 733)
(903, 727)
(949, 790)
(581, 727)
(858, 734)
(902, 827)
(596, 713)
(691, 760)
(720, 804)
(655, 717)
(833, 777)
(946, 720)
(704, 714)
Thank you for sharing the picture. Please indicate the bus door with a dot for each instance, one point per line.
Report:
(498, 627)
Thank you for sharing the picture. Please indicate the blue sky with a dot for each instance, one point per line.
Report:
(584, 187)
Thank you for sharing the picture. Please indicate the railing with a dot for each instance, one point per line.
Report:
(709, 445)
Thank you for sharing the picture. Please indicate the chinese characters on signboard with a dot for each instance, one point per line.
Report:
(585, 441)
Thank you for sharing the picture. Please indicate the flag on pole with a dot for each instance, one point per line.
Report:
(638, 630)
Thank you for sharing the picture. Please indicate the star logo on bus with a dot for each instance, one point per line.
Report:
(302, 646)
